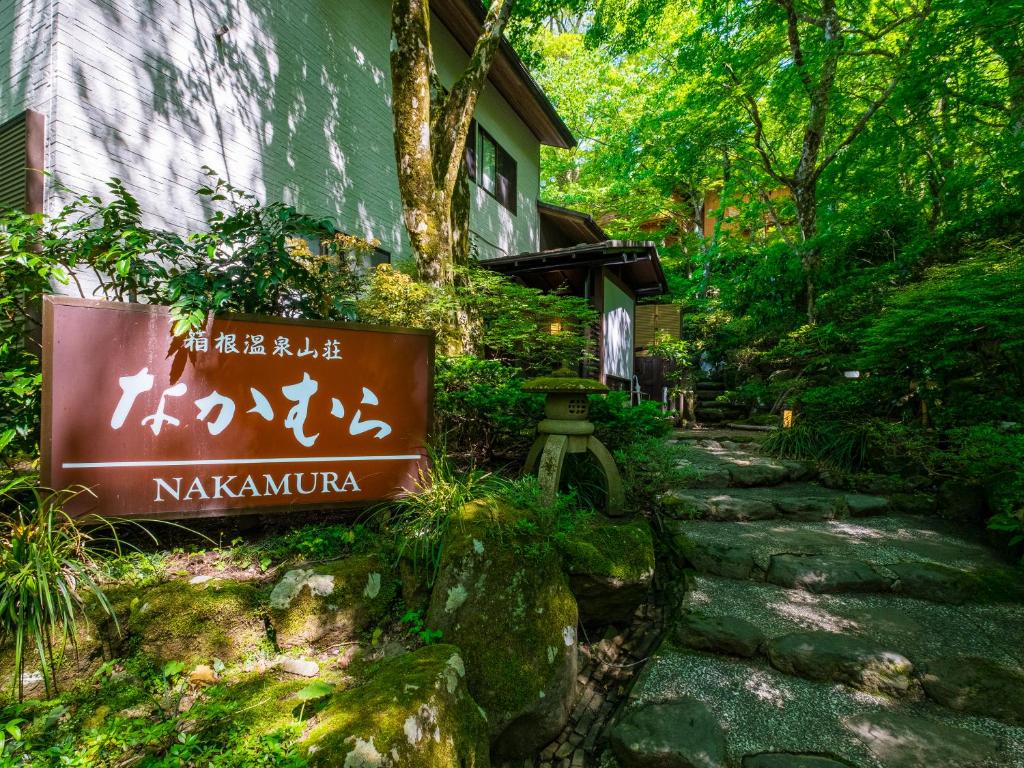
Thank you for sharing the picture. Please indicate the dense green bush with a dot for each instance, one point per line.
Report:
(481, 410)
(618, 424)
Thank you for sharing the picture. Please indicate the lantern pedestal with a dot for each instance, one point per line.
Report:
(566, 430)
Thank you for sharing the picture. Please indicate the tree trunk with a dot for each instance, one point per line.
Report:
(805, 198)
(431, 126)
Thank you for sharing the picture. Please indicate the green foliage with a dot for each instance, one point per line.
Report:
(480, 408)
(650, 467)
(955, 341)
(134, 716)
(619, 425)
(309, 542)
(414, 622)
(420, 520)
(47, 562)
(568, 512)
(678, 353)
(522, 326)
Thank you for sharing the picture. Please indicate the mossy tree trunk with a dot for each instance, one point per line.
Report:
(431, 126)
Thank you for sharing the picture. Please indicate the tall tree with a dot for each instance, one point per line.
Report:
(431, 126)
(829, 62)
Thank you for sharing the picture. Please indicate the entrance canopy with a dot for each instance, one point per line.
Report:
(635, 263)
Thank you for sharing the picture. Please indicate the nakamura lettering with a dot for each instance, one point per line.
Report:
(252, 486)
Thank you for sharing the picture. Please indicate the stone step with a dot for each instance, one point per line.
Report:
(720, 464)
(958, 657)
(718, 415)
(914, 557)
(797, 501)
(744, 712)
(706, 386)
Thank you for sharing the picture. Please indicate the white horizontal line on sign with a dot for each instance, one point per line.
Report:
(214, 462)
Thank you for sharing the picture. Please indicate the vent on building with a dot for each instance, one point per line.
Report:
(21, 156)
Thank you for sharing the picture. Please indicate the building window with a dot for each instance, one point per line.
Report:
(488, 163)
(378, 256)
(491, 167)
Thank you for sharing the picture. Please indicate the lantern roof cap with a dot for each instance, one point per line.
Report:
(563, 382)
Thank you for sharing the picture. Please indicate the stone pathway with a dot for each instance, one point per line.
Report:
(824, 629)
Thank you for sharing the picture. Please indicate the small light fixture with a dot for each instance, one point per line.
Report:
(555, 327)
(851, 374)
(787, 418)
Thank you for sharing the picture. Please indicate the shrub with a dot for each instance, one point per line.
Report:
(46, 562)
(480, 408)
(650, 467)
(955, 341)
(618, 424)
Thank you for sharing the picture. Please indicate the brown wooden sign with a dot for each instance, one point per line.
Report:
(243, 415)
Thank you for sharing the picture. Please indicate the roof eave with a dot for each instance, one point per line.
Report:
(547, 125)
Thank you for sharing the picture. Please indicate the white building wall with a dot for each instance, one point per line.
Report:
(619, 310)
(27, 34)
(292, 103)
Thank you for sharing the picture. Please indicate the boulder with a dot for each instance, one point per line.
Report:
(730, 561)
(752, 471)
(976, 686)
(931, 581)
(841, 658)
(610, 567)
(502, 597)
(825, 574)
(717, 505)
(193, 623)
(719, 634)
(675, 734)
(331, 602)
(864, 505)
(787, 760)
(903, 741)
(413, 711)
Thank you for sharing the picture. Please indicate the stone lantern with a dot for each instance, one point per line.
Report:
(566, 430)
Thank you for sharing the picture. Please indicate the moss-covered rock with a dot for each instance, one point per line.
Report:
(413, 711)
(502, 597)
(70, 664)
(193, 623)
(610, 567)
(331, 602)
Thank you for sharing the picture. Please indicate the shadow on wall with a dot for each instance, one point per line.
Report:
(287, 100)
(25, 34)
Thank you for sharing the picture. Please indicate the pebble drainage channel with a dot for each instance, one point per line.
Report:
(609, 667)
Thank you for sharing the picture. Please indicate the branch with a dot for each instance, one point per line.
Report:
(457, 109)
(793, 33)
(750, 105)
(859, 126)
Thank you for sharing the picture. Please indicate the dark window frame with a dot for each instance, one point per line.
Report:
(506, 169)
